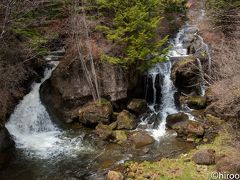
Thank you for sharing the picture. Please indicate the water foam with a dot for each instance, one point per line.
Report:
(33, 129)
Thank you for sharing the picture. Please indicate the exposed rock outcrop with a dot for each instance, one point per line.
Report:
(68, 88)
(185, 75)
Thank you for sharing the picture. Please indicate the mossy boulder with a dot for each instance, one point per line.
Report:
(141, 139)
(197, 102)
(96, 112)
(204, 157)
(176, 118)
(114, 175)
(103, 131)
(137, 106)
(120, 136)
(126, 120)
(189, 129)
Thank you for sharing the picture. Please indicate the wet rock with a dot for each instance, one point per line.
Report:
(197, 102)
(6, 144)
(120, 136)
(141, 139)
(126, 120)
(114, 175)
(228, 164)
(204, 157)
(137, 106)
(176, 118)
(189, 129)
(103, 131)
(96, 112)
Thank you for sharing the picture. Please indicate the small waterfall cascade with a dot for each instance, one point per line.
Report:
(164, 104)
(32, 128)
(167, 97)
(202, 83)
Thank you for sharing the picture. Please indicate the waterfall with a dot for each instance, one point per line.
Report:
(32, 128)
(168, 90)
(179, 50)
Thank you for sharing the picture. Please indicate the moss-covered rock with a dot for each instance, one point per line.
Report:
(96, 112)
(176, 118)
(126, 120)
(137, 106)
(120, 136)
(103, 131)
(197, 102)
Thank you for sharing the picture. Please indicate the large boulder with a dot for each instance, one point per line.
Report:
(6, 144)
(114, 175)
(96, 112)
(184, 75)
(204, 157)
(189, 129)
(176, 118)
(126, 120)
(140, 139)
(137, 106)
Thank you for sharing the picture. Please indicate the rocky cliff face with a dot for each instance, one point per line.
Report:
(68, 88)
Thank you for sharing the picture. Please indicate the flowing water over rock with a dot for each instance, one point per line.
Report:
(33, 129)
(46, 151)
(164, 104)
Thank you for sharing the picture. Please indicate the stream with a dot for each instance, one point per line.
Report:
(46, 151)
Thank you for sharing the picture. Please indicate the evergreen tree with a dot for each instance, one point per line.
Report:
(134, 28)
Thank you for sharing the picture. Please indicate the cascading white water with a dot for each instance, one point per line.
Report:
(33, 130)
(178, 51)
(168, 90)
